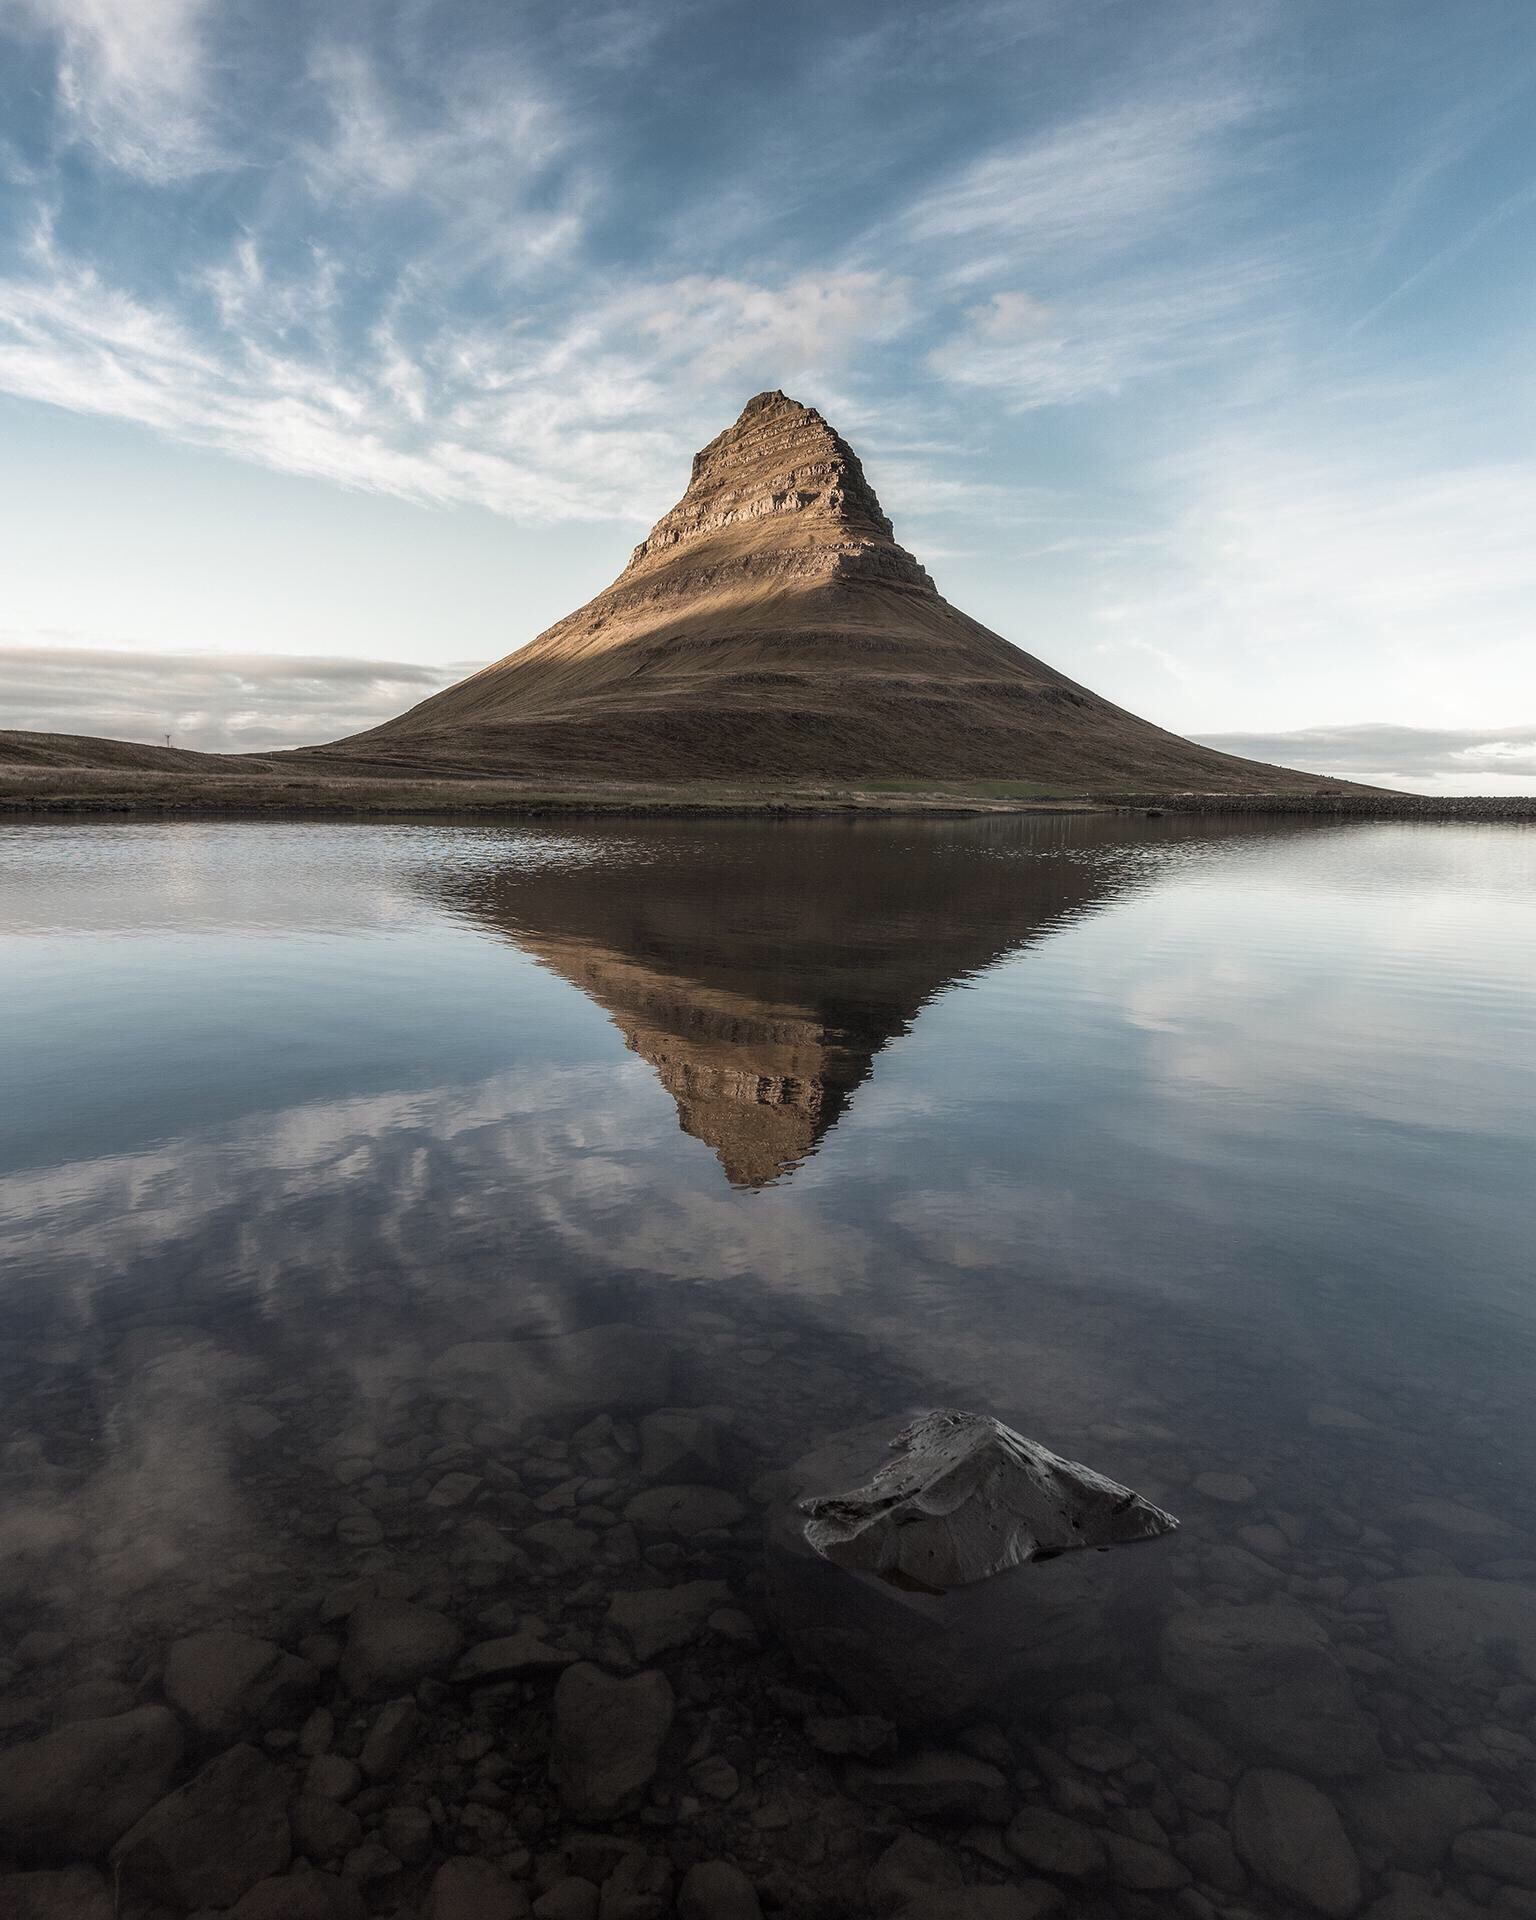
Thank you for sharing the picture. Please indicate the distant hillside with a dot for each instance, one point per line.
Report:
(84, 750)
(770, 628)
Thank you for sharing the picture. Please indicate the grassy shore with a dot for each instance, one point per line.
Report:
(29, 791)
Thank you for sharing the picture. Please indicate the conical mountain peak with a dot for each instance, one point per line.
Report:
(770, 628)
(780, 482)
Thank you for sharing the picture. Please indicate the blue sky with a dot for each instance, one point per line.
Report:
(1189, 342)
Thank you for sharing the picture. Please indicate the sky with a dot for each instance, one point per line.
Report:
(1188, 342)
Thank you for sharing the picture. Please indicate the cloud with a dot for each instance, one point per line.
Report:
(573, 419)
(1348, 553)
(1089, 343)
(130, 78)
(1092, 187)
(217, 702)
(1440, 760)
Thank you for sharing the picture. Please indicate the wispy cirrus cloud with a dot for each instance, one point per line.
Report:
(1089, 343)
(1093, 186)
(571, 418)
(130, 78)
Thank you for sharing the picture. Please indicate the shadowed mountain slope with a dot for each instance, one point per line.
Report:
(770, 626)
(760, 971)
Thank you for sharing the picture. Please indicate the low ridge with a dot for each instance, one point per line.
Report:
(770, 626)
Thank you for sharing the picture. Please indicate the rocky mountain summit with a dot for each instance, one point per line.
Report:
(770, 626)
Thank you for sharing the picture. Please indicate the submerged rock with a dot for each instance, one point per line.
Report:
(71, 1793)
(1290, 1835)
(1268, 1682)
(935, 1660)
(224, 1684)
(966, 1497)
(213, 1839)
(607, 1739)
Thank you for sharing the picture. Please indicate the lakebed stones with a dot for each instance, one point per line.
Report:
(1231, 1489)
(1465, 1534)
(1269, 1684)
(391, 1645)
(1501, 1855)
(75, 1893)
(717, 1890)
(1291, 1837)
(517, 1656)
(211, 1841)
(607, 1738)
(930, 1661)
(70, 1794)
(1029, 1901)
(225, 1684)
(684, 1443)
(682, 1510)
(389, 1739)
(935, 1785)
(300, 1896)
(654, 1620)
(563, 1376)
(1051, 1843)
(1410, 1819)
(474, 1890)
(1466, 1631)
(964, 1498)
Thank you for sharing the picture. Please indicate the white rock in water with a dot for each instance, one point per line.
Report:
(967, 1497)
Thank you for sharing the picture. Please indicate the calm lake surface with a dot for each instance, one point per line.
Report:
(424, 1236)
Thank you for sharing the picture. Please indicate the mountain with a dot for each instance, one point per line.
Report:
(760, 971)
(769, 626)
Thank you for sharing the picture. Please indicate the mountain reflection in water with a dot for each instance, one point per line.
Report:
(760, 973)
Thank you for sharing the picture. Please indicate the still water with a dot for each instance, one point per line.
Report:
(435, 1258)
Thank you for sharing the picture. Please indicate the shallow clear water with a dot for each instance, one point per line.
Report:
(1190, 1150)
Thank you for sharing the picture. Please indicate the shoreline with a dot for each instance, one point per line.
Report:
(74, 793)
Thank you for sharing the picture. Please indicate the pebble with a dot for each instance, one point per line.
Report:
(389, 1739)
(455, 1490)
(607, 1738)
(568, 1899)
(1290, 1835)
(1233, 1489)
(939, 1784)
(656, 1620)
(1410, 1819)
(70, 1794)
(322, 1830)
(866, 1735)
(211, 1840)
(331, 1776)
(317, 1732)
(715, 1778)
(1510, 1857)
(717, 1890)
(1099, 1751)
(1051, 1843)
(1141, 1866)
(518, 1656)
(75, 1893)
(683, 1510)
(391, 1645)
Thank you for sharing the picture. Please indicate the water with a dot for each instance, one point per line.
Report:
(1201, 1153)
